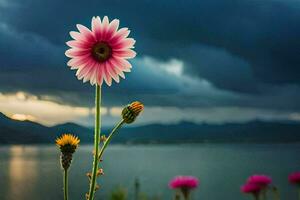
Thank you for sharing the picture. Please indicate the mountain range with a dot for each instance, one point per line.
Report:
(27, 132)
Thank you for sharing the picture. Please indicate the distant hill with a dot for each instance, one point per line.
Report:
(27, 132)
(254, 131)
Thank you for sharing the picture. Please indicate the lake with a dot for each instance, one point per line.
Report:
(33, 172)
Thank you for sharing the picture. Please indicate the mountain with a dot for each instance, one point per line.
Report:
(254, 131)
(12, 131)
(27, 132)
(85, 134)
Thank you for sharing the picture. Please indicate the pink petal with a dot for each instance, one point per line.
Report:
(79, 37)
(96, 27)
(112, 29)
(87, 34)
(125, 53)
(99, 74)
(83, 70)
(124, 44)
(106, 75)
(121, 34)
(78, 44)
(116, 64)
(118, 71)
(112, 72)
(104, 27)
(122, 64)
(117, 68)
(90, 71)
(93, 78)
(77, 52)
(79, 61)
(76, 36)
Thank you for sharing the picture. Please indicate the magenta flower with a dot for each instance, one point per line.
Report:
(260, 180)
(294, 178)
(251, 188)
(100, 53)
(185, 184)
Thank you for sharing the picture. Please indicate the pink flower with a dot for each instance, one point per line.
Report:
(260, 180)
(187, 182)
(251, 188)
(100, 53)
(294, 178)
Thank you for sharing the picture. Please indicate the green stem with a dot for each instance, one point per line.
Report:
(96, 142)
(186, 193)
(65, 184)
(299, 193)
(276, 193)
(112, 133)
(136, 189)
(187, 197)
(264, 193)
(177, 196)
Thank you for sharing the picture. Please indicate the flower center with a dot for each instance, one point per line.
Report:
(101, 51)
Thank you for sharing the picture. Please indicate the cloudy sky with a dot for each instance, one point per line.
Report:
(209, 61)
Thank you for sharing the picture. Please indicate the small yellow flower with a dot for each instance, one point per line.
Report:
(67, 140)
(131, 111)
(67, 143)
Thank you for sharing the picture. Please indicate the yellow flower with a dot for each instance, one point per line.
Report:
(131, 111)
(67, 139)
(67, 143)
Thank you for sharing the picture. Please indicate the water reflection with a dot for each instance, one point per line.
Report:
(34, 173)
(22, 170)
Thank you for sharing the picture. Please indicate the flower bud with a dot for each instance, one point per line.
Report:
(103, 138)
(131, 111)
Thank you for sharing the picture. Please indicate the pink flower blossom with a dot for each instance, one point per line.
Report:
(294, 178)
(100, 53)
(187, 182)
(251, 188)
(260, 180)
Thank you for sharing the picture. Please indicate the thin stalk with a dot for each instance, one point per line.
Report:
(66, 184)
(136, 189)
(177, 196)
(264, 193)
(299, 192)
(187, 197)
(112, 133)
(276, 193)
(96, 142)
(186, 193)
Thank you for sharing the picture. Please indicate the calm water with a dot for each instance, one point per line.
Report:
(33, 172)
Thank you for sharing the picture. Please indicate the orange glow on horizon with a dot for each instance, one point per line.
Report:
(22, 117)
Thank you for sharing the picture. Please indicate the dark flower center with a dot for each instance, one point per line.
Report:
(101, 51)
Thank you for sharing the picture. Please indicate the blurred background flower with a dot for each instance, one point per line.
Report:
(294, 178)
(253, 189)
(260, 180)
(185, 184)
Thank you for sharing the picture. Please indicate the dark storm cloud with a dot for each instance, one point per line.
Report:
(260, 34)
(246, 48)
(32, 64)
